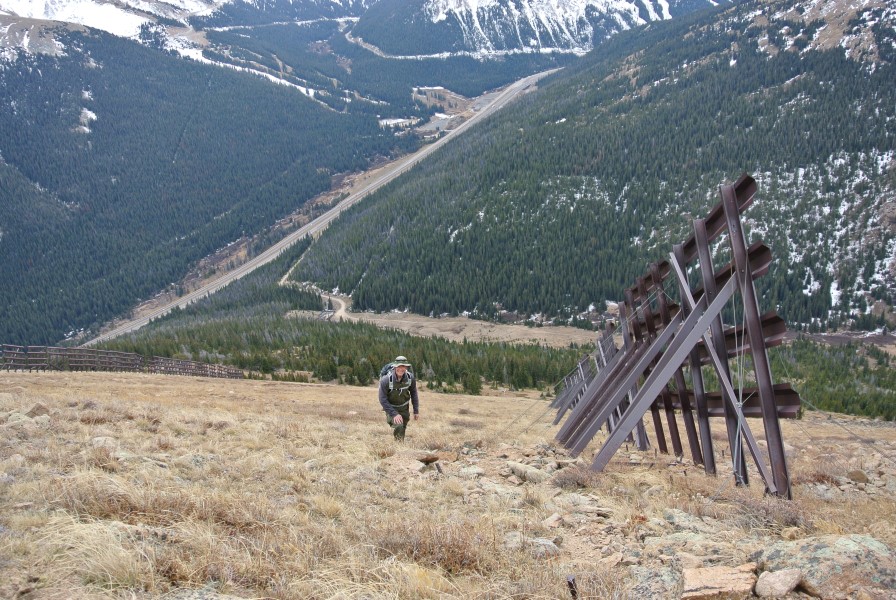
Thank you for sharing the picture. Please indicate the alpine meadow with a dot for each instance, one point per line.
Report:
(222, 220)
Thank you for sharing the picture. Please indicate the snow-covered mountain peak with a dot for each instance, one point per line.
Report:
(565, 25)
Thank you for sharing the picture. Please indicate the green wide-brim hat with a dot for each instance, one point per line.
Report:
(401, 361)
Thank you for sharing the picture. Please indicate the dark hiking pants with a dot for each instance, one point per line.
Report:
(398, 430)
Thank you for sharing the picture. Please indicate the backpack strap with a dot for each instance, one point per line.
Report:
(392, 379)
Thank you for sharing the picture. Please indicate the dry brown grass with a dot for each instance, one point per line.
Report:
(144, 485)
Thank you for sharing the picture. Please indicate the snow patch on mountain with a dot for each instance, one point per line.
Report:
(98, 15)
(492, 25)
(121, 17)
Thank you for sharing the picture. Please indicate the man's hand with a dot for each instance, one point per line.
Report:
(416, 417)
(398, 420)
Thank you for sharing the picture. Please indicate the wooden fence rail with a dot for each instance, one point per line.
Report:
(51, 358)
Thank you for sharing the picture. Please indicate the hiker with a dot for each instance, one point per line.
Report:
(398, 390)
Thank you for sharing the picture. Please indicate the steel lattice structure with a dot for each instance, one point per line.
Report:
(665, 345)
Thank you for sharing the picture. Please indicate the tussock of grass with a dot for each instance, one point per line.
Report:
(576, 477)
(455, 547)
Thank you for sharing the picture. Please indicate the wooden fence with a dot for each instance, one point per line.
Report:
(50, 358)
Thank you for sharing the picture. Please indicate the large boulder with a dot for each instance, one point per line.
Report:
(709, 583)
(833, 566)
(528, 473)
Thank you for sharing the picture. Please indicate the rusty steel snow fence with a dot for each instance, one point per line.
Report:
(671, 327)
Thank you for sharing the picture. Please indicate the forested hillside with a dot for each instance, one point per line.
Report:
(350, 78)
(249, 324)
(121, 166)
(557, 204)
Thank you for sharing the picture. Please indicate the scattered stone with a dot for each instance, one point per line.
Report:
(499, 490)
(472, 472)
(596, 511)
(38, 410)
(17, 418)
(688, 522)
(719, 582)
(858, 476)
(689, 561)
(206, 593)
(655, 582)
(527, 473)
(774, 584)
(870, 593)
(611, 560)
(428, 459)
(555, 520)
(125, 456)
(447, 456)
(514, 480)
(543, 548)
(653, 491)
(42, 421)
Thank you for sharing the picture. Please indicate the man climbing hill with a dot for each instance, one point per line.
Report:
(398, 390)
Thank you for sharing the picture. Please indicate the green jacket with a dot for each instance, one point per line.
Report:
(402, 393)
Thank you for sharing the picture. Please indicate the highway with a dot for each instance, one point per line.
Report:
(397, 168)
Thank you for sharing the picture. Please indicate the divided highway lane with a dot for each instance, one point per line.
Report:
(320, 223)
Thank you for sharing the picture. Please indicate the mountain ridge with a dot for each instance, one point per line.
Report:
(430, 27)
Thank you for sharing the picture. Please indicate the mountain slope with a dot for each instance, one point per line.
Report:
(396, 27)
(506, 26)
(128, 165)
(556, 206)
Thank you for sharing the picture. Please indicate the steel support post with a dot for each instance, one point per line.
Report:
(665, 397)
(731, 394)
(589, 396)
(687, 415)
(689, 331)
(643, 357)
(639, 338)
(744, 277)
(709, 458)
(707, 272)
(642, 442)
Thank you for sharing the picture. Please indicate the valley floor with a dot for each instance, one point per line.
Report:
(146, 486)
(458, 329)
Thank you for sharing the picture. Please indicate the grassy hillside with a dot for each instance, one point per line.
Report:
(162, 486)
